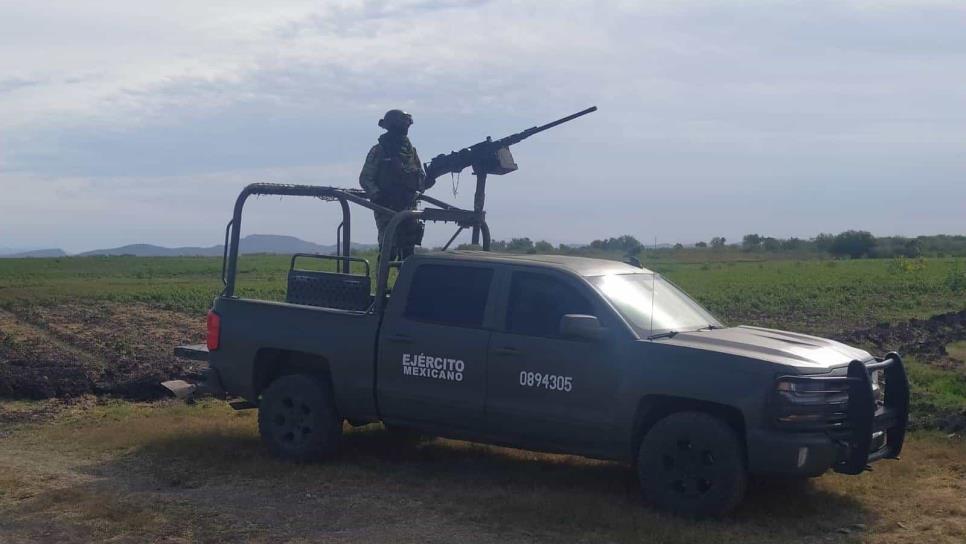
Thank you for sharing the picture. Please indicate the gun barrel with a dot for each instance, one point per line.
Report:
(515, 138)
(565, 119)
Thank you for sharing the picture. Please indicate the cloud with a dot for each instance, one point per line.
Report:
(755, 105)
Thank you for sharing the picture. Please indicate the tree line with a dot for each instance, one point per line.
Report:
(853, 244)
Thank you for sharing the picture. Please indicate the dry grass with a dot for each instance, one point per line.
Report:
(957, 350)
(169, 472)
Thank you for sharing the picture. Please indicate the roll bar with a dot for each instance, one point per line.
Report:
(443, 212)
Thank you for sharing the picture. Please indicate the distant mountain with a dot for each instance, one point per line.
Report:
(271, 243)
(148, 250)
(37, 253)
(253, 243)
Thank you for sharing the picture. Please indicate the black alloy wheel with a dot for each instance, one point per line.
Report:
(692, 463)
(297, 418)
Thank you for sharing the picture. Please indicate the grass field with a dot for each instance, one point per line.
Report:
(89, 466)
(821, 296)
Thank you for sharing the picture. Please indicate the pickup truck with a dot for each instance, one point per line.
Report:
(559, 354)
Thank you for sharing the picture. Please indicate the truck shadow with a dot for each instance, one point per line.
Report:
(378, 483)
(531, 491)
(464, 463)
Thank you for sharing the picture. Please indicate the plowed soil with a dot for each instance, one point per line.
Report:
(77, 349)
(926, 339)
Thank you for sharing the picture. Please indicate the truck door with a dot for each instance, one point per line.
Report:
(540, 384)
(433, 346)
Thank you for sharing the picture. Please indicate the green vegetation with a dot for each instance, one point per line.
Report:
(825, 297)
(812, 295)
(853, 244)
(186, 284)
(936, 393)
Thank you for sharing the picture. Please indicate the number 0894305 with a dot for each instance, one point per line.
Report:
(552, 382)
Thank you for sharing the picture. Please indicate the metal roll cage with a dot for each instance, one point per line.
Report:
(442, 212)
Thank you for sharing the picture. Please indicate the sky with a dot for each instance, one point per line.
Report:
(139, 122)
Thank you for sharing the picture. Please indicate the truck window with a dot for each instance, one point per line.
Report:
(538, 301)
(449, 295)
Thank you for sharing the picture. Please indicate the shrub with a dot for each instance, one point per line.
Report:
(853, 243)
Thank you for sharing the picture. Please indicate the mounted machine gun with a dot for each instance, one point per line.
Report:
(488, 157)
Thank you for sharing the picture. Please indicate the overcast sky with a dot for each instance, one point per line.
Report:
(125, 121)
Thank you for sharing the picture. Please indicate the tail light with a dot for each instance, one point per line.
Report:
(214, 330)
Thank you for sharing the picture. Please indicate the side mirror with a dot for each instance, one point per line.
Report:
(580, 326)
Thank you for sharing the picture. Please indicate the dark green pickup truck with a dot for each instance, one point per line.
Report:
(554, 353)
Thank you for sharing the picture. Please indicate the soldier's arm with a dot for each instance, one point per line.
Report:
(367, 178)
(421, 180)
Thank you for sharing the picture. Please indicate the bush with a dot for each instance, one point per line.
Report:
(823, 242)
(956, 280)
(626, 243)
(750, 242)
(520, 245)
(543, 246)
(852, 243)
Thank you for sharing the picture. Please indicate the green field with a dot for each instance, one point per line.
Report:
(818, 296)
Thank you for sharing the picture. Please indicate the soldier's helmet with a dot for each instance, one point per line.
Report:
(395, 119)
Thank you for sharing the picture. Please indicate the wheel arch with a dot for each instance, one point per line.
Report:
(653, 408)
(271, 363)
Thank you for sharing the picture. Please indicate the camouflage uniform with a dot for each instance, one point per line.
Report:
(392, 176)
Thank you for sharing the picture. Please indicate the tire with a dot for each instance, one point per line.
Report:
(297, 419)
(692, 464)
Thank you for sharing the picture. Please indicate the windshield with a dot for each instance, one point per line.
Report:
(669, 310)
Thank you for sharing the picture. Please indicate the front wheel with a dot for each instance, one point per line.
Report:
(297, 418)
(691, 463)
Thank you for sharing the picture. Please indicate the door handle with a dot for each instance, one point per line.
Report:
(506, 351)
(400, 339)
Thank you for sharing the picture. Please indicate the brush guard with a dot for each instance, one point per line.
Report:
(866, 417)
(866, 428)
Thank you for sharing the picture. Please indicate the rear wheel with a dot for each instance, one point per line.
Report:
(691, 463)
(297, 419)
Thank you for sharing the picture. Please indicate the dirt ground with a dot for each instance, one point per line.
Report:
(76, 466)
(95, 470)
(75, 349)
(925, 339)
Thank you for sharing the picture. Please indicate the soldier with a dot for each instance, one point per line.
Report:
(392, 177)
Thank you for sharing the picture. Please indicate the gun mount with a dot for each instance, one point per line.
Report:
(488, 157)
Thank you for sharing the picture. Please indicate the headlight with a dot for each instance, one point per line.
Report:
(810, 403)
(812, 391)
